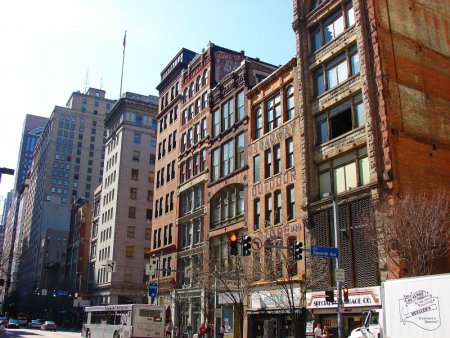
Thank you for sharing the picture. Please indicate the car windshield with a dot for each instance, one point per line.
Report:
(49, 322)
(13, 321)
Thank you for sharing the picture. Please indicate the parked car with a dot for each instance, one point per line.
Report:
(13, 323)
(22, 321)
(35, 324)
(48, 325)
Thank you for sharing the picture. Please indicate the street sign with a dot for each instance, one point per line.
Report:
(44, 292)
(152, 289)
(256, 244)
(324, 252)
(62, 293)
(340, 275)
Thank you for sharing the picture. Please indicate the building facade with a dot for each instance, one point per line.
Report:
(274, 202)
(124, 227)
(197, 146)
(67, 162)
(368, 125)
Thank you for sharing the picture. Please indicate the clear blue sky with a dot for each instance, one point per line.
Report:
(49, 49)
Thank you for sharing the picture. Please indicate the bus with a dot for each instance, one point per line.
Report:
(123, 321)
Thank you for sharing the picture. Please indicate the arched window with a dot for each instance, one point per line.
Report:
(198, 83)
(227, 205)
(191, 89)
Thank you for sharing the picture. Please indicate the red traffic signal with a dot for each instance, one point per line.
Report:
(345, 293)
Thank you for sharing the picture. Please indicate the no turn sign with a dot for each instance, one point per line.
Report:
(257, 244)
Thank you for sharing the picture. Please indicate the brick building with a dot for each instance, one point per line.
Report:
(185, 180)
(274, 199)
(372, 123)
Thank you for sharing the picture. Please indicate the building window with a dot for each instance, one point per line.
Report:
(289, 153)
(277, 206)
(131, 231)
(137, 138)
(136, 155)
(240, 160)
(216, 123)
(256, 169)
(290, 103)
(273, 113)
(227, 204)
(133, 193)
(268, 207)
(344, 172)
(134, 174)
(337, 70)
(258, 123)
(290, 194)
(228, 158)
(340, 119)
(268, 163)
(131, 212)
(129, 251)
(240, 106)
(227, 114)
(256, 213)
(333, 25)
(148, 234)
(276, 159)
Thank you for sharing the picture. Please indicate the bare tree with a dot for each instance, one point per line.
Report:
(280, 270)
(411, 233)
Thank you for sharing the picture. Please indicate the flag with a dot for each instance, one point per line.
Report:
(125, 40)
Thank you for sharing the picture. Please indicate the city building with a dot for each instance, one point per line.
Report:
(274, 199)
(228, 187)
(164, 224)
(78, 247)
(182, 222)
(67, 162)
(122, 245)
(33, 126)
(372, 127)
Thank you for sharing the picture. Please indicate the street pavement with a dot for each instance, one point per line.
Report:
(29, 333)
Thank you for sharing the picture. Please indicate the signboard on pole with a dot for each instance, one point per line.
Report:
(324, 252)
(340, 275)
(152, 289)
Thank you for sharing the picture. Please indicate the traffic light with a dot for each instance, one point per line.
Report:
(329, 296)
(233, 245)
(54, 293)
(345, 293)
(297, 250)
(37, 292)
(246, 245)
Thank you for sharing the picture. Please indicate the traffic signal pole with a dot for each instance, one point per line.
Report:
(340, 315)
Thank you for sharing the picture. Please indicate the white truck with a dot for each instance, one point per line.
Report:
(417, 307)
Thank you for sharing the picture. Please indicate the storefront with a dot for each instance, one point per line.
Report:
(325, 313)
(269, 314)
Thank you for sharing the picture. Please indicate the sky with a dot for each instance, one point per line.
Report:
(50, 49)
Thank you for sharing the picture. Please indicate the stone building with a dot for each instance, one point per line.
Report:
(122, 244)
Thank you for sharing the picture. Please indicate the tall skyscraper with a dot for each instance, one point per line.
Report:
(67, 162)
(33, 127)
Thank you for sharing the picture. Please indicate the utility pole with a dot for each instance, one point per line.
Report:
(340, 315)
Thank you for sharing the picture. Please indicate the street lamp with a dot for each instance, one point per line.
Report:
(6, 171)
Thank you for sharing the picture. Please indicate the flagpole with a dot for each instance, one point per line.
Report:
(123, 61)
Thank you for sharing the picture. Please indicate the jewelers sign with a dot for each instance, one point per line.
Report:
(359, 297)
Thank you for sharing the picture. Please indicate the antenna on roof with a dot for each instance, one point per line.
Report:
(101, 81)
(86, 81)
